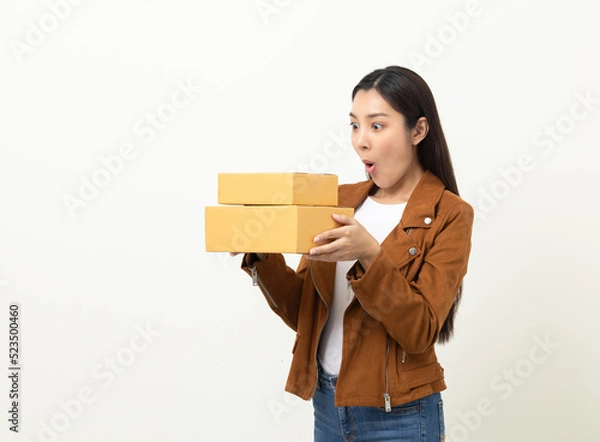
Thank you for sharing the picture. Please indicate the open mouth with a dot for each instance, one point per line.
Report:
(369, 166)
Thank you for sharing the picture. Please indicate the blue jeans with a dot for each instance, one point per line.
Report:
(418, 421)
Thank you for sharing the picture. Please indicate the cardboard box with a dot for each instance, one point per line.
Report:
(267, 229)
(278, 188)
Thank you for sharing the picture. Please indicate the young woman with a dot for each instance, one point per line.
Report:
(369, 305)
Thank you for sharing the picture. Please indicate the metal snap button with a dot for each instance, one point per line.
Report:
(427, 220)
(412, 251)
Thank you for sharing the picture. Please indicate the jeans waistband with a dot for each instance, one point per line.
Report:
(325, 378)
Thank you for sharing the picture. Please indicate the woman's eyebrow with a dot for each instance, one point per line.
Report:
(376, 114)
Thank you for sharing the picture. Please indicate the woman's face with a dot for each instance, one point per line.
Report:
(381, 140)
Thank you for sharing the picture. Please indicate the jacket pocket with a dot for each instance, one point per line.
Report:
(424, 375)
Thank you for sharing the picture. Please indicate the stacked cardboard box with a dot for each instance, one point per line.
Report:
(271, 212)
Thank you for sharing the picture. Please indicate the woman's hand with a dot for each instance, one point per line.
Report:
(350, 242)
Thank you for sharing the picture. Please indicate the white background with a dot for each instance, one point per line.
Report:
(275, 94)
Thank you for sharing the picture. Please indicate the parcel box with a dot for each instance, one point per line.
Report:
(267, 229)
(278, 188)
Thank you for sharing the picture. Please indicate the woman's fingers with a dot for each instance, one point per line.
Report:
(325, 251)
(336, 233)
(344, 219)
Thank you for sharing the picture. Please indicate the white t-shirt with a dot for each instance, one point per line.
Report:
(379, 220)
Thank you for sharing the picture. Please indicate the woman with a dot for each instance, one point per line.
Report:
(369, 304)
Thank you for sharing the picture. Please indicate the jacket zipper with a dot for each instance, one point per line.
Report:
(404, 351)
(386, 395)
(322, 326)
(257, 282)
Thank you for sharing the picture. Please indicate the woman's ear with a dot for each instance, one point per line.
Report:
(419, 132)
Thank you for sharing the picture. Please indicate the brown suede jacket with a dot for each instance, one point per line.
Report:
(399, 306)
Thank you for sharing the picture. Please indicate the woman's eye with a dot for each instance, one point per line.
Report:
(354, 126)
(377, 126)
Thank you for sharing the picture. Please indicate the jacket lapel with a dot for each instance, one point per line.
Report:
(423, 201)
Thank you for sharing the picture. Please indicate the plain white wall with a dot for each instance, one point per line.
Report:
(121, 307)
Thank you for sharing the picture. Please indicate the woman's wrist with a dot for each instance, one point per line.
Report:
(367, 259)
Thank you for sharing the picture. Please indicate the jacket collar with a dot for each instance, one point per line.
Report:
(421, 204)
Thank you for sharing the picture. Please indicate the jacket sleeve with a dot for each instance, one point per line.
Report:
(413, 311)
(280, 284)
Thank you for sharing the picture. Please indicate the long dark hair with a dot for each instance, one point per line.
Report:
(408, 94)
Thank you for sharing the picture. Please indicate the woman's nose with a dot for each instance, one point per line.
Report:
(361, 141)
